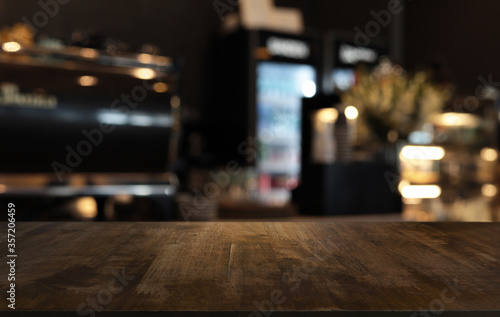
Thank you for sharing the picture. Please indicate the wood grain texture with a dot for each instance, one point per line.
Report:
(246, 267)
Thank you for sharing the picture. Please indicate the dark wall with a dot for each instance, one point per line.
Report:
(461, 34)
(339, 14)
(181, 28)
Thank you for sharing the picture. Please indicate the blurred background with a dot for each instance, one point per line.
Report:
(282, 110)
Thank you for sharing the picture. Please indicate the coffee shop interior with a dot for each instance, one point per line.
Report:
(221, 110)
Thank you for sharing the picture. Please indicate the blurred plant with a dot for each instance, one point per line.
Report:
(393, 103)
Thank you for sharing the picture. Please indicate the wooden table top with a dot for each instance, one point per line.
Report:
(256, 269)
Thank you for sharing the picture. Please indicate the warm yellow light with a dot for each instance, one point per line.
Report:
(145, 58)
(160, 87)
(162, 60)
(414, 152)
(351, 113)
(421, 191)
(86, 207)
(144, 73)
(454, 119)
(11, 47)
(87, 81)
(88, 53)
(422, 216)
(327, 115)
(392, 136)
(412, 201)
(489, 154)
(489, 190)
(175, 102)
(403, 183)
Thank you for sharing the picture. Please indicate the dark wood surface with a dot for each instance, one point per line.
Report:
(325, 269)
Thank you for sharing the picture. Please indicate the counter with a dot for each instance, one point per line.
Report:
(255, 269)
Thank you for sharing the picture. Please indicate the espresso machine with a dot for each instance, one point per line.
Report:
(80, 126)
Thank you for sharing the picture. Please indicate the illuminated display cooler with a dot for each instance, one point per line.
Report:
(261, 78)
(343, 55)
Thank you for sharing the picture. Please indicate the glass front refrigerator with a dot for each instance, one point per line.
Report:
(261, 78)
